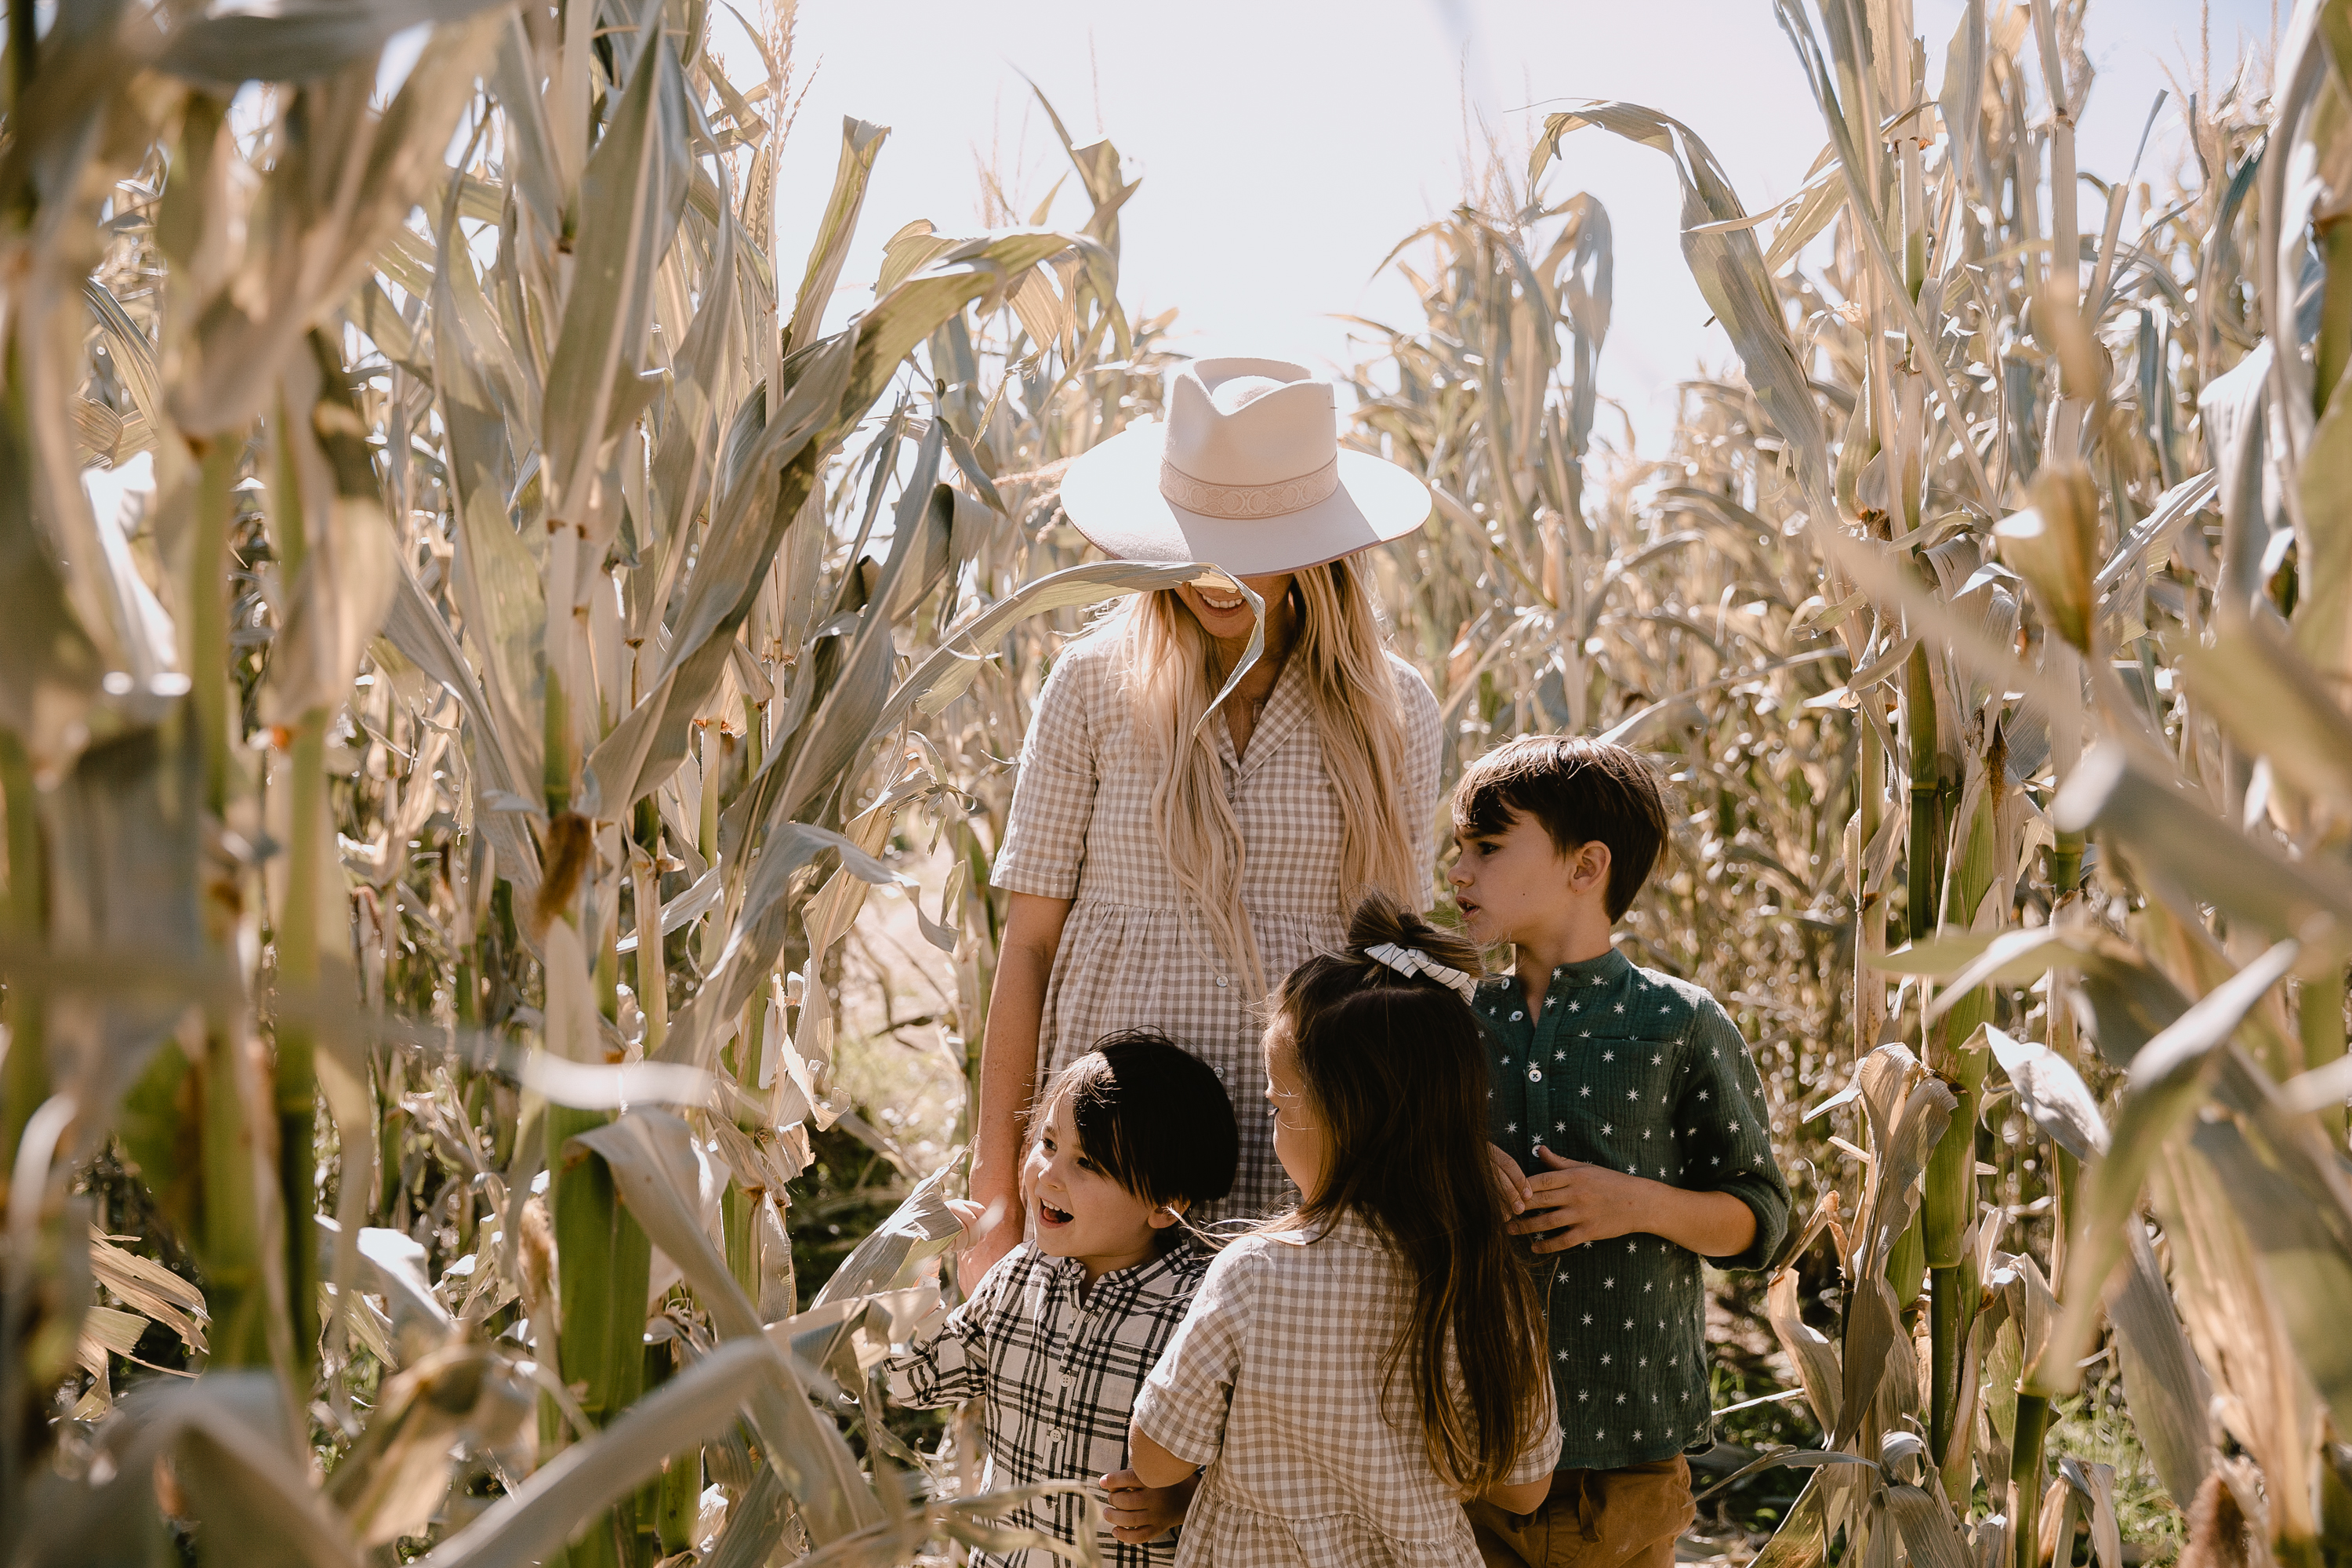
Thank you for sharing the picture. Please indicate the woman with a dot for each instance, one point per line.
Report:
(1178, 835)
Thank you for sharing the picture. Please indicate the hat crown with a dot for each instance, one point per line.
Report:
(1254, 432)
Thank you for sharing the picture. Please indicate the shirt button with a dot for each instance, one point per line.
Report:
(1535, 1075)
(1220, 983)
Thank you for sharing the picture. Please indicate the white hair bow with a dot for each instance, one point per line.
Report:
(1410, 961)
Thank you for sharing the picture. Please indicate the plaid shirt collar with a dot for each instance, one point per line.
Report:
(1119, 1286)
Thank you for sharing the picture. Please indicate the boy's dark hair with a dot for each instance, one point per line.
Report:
(1582, 790)
(1152, 1115)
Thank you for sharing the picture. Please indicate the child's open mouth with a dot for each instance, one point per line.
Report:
(1048, 1215)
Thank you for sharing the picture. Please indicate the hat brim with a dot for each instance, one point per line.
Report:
(1112, 496)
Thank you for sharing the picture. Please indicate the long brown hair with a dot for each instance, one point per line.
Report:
(1396, 1072)
(1351, 688)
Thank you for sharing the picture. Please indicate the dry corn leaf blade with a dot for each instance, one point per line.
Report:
(147, 1286)
(636, 183)
(650, 1154)
(701, 1402)
(2166, 1387)
(2174, 837)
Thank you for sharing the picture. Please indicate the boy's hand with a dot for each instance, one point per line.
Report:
(967, 1214)
(1139, 1513)
(1516, 1190)
(1575, 1203)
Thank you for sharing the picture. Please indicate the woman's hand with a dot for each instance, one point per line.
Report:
(1139, 1513)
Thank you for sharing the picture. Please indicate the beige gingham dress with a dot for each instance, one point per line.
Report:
(1277, 1384)
(1080, 829)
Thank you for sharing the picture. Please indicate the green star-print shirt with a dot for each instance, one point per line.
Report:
(1634, 1069)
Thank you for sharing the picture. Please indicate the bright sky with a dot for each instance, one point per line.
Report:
(1285, 146)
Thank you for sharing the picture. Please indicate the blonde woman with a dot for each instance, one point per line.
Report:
(1169, 854)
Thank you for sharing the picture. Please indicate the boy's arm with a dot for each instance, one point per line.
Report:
(950, 1365)
(1574, 1203)
(1737, 1208)
(1728, 1145)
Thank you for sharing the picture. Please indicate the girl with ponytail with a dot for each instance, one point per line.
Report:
(1349, 1375)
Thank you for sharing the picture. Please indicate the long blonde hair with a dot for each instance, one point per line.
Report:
(1351, 691)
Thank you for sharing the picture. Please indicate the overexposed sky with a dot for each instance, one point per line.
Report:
(1286, 146)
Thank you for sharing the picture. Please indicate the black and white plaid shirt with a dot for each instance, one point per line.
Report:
(1059, 1375)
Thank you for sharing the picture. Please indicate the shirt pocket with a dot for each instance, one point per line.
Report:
(1621, 1093)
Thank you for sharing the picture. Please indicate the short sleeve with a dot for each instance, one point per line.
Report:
(1183, 1405)
(1053, 796)
(1727, 1129)
(950, 1365)
(1425, 760)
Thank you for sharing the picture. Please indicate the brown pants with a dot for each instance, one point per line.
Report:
(1593, 1519)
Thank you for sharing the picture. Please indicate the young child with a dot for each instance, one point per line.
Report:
(1627, 1101)
(1057, 1337)
(1348, 1375)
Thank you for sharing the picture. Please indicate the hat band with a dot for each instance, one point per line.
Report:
(1277, 499)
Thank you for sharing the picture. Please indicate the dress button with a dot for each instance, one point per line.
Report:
(1535, 1075)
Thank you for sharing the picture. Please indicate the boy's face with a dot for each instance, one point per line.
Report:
(1081, 1212)
(1514, 882)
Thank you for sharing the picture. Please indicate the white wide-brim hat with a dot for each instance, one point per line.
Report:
(1247, 474)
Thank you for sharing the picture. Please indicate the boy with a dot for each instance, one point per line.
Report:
(1626, 1109)
(1060, 1334)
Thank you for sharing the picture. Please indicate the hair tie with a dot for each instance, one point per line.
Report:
(1411, 961)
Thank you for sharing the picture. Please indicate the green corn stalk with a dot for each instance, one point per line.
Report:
(677, 1502)
(1925, 862)
(605, 1262)
(208, 599)
(2319, 1020)
(23, 920)
(1949, 1199)
(653, 981)
(2032, 1425)
(295, 1075)
(1907, 1266)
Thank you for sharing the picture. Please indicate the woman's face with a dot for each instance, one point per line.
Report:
(1300, 1142)
(1224, 614)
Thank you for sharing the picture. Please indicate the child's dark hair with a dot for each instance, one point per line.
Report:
(1152, 1115)
(1397, 1075)
(1582, 790)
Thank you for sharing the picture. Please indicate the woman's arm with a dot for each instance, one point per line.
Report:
(1008, 1071)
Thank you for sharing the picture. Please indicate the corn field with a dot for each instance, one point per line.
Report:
(473, 648)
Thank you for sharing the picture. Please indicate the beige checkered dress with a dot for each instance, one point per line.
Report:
(1274, 1382)
(1080, 829)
